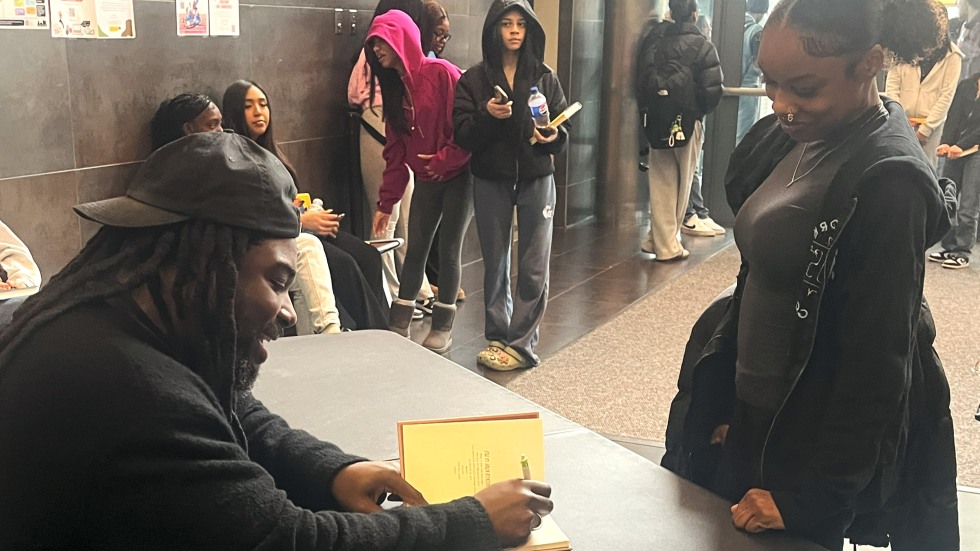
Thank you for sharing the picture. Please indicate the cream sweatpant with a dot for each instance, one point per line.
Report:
(670, 176)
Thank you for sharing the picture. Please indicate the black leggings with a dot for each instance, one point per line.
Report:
(446, 206)
(355, 268)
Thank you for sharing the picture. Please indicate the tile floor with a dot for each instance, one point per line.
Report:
(596, 273)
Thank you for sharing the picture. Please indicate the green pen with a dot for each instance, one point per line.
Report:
(526, 470)
(525, 467)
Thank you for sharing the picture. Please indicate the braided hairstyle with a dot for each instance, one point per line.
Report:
(205, 256)
(168, 122)
(910, 29)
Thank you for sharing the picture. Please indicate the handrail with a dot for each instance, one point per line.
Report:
(746, 91)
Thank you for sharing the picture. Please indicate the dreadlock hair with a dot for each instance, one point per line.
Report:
(205, 256)
(168, 122)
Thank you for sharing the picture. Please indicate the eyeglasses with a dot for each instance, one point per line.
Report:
(443, 37)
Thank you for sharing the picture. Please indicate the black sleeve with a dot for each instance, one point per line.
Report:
(958, 112)
(877, 286)
(473, 126)
(301, 464)
(709, 78)
(182, 478)
(552, 90)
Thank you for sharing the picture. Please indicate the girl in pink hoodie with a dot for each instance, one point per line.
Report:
(418, 104)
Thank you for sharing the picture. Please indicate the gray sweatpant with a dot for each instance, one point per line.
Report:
(445, 205)
(514, 320)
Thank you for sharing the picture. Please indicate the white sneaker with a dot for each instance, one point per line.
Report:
(695, 226)
(713, 226)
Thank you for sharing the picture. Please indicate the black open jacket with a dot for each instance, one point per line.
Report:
(866, 428)
(962, 126)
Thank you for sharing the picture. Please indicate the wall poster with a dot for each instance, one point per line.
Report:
(105, 19)
(24, 14)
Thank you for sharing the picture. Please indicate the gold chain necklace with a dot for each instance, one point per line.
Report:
(799, 162)
(812, 168)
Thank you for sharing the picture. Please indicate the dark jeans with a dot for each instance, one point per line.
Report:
(965, 172)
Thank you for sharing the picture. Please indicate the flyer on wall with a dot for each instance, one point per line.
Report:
(193, 18)
(115, 18)
(73, 19)
(105, 19)
(224, 17)
(23, 14)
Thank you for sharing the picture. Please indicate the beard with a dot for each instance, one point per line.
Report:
(246, 370)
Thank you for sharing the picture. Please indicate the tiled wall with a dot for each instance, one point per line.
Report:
(76, 113)
(580, 71)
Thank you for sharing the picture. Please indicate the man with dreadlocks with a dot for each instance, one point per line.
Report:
(187, 114)
(126, 419)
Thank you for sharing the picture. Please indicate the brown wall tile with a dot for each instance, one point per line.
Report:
(38, 210)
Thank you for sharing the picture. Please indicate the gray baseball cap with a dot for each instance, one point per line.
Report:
(220, 177)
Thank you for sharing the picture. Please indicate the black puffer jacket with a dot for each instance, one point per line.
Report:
(963, 122)
(685, 43)
(501, 148)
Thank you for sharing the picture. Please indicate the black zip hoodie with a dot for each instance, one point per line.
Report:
(501, 148)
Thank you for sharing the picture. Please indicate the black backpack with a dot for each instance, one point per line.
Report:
(665, 89)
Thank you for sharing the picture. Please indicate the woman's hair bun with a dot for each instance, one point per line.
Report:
(910, 29)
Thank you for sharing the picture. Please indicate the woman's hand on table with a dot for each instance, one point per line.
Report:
(757, 512)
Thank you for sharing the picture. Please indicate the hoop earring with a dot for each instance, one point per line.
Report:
(789, 117)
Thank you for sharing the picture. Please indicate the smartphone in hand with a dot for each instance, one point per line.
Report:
(499, 95)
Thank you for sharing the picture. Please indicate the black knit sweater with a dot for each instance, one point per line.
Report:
(108, 442)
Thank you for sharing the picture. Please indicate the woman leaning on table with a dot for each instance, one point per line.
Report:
(817, 405)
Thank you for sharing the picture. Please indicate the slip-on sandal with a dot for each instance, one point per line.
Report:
(503, 359)
(493, 348)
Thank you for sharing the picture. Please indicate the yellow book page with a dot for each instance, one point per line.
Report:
(450, 460)
(548, 537)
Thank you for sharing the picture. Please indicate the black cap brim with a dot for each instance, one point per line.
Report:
(126, 212)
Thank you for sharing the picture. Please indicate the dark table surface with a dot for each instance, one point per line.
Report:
(352, 389)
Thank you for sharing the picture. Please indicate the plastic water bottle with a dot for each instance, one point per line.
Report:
(315, 206)
(539, 108)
